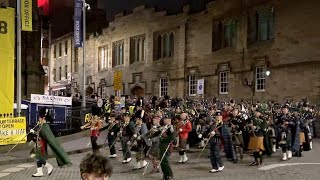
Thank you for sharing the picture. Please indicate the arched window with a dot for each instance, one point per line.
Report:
(159, 46)
(171, 44)
(166, 45)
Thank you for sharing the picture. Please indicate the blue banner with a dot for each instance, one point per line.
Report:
(78, 36)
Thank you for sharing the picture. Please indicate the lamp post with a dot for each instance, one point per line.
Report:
(85, 8)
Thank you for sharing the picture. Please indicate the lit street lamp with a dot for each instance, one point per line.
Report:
(268, 73)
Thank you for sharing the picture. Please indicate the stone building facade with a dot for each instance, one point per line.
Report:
(61, 65)
(231, 45)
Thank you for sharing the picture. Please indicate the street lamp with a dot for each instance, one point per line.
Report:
(268, 73)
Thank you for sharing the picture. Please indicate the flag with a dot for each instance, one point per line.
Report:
(7, 46)
(78, 4)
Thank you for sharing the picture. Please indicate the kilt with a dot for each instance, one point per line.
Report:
(182, 144)
(256, 143)
(237, 139)
(154, 151)
(302, 138)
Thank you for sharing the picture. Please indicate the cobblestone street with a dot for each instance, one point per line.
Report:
(304, 168)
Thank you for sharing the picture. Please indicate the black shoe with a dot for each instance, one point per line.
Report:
(254, 164)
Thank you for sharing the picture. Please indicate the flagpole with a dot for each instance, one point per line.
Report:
(19, 58)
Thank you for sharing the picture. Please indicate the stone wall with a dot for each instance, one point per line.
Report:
(292, 56)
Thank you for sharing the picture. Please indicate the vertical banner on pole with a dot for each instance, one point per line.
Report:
(26, 15)
(7, 46)
(78, 4)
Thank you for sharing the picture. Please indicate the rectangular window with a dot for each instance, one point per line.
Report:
(261, 25)
(223, 82)
(260, 79)
(192, 85)
(224, 34)
(60, 49)
(54, 51)
(66, 47)
(163, 87)
(230, 34)
(118, 50)
(103, 58)
(103, 92)
(54, 75)
(66, 71)
(59, 73)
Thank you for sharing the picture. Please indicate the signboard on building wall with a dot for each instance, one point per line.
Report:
(55, 100)
(200, 87)
(117, 81)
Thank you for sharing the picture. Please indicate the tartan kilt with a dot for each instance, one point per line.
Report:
(237, 139)
(256, 143)
(302, 138)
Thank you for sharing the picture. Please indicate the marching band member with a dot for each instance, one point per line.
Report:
(285, 134)
(113, 130)
(94, 125)
(215, 140)
(167, 137)
(127, 130)
(155, 140)
(257, 126)
(47, 138)
(140, 130)
(237, 124)
(184, 127)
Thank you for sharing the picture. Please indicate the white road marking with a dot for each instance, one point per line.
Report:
(272, 166)
(25, 165)
(13, 169)
(4, 174)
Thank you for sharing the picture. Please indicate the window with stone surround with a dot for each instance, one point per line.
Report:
(192, 85)
(260, 83)
(60, 49)
(163, 87)
(60, 73)
(224, 34)
(223, 82)
(137, 49)
(66, 71)
(66, 47)
(103, 58)
(117, 51)
(261, 25)
(54, 75)
(164, 45)
(54, 51)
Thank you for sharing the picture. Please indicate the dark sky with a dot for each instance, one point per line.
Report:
(113, 7)
(62, 12)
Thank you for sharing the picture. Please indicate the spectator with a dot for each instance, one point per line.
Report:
(95, 167)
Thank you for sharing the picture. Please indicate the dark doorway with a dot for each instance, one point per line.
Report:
(137, 91)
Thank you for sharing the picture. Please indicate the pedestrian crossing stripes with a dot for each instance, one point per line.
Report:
(15, 169)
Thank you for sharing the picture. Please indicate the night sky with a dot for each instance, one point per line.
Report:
(62, 12)
(113, 7)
